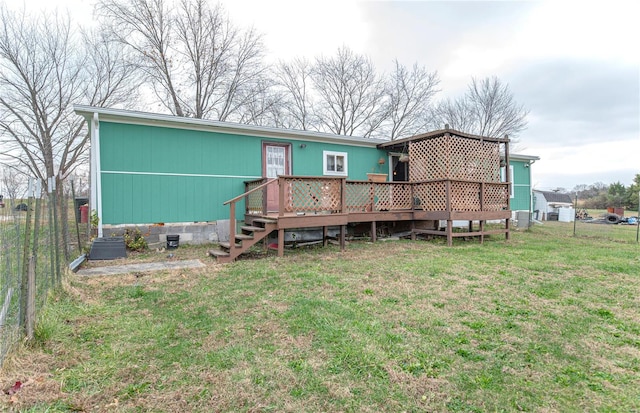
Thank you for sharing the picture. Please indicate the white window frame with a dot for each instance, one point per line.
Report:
(326, 171)
(503, 178)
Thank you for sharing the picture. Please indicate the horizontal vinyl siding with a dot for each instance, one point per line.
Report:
(307, 161)
(521, 198)
(153, 174)
(138, 199)
(158, 174)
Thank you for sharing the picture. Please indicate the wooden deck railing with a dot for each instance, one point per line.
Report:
(458, 195)
(303, 194)
(232, 208)
(256, 202)
(328, 195)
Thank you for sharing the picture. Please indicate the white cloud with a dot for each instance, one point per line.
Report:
(303, 28)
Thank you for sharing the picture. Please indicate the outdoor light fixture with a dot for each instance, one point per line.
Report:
(303, 145)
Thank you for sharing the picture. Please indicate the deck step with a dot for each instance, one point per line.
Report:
(228, 245)
(266, 220)
(244, 237)
(252, 228)
(218, 253)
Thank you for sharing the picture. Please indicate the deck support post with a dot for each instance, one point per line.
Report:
(507, 174)
(343, 230)
(373, 231)
(232, 228)
(413, 232)
(325, 236)
(481, 231)
(449, 232)
(507, 228)
(281, 243)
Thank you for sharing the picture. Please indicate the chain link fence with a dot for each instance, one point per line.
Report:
(37, 241)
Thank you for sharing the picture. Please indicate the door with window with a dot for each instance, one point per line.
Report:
(275, 162)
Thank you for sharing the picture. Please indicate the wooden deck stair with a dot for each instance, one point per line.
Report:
(250, 235)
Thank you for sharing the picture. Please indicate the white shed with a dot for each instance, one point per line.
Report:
(552, 206)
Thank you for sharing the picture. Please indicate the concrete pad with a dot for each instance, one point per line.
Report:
(143, 267)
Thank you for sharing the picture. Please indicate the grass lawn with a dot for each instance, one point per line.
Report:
(545, 322)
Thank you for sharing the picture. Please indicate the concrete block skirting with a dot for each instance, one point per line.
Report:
(190, 232)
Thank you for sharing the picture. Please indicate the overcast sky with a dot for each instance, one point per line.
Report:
(574, 64)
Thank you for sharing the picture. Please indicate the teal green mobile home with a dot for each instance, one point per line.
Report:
(151, 168)
(521, 199)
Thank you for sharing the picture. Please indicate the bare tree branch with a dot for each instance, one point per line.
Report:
(295, 80)
(44, 70)
(195, 60)
(488, 109)
(350, 94)
(409, 94)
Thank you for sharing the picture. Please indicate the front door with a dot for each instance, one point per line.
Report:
(275, 162)
(400, 169)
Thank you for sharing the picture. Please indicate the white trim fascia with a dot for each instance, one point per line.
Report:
(170, 121)
(520, 157)
(95, 127)
(179, 174)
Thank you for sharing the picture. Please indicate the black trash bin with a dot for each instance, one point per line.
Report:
(173, 241)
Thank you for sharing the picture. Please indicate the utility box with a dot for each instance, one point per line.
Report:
(109, 248)
(523, 218)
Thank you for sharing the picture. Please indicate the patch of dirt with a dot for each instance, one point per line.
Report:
(38, 385)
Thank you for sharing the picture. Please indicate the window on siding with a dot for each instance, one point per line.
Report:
(503, 178)
(334, 163)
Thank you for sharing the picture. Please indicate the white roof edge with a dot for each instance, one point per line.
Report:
(159, 119)
(524, 157)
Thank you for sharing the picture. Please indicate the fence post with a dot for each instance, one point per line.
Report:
(638, 220)
(25, 257)
(76, 214)
(31, 299)
(55, 230)
(51, 239)
(575, 209)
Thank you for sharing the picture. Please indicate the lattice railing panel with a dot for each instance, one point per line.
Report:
(426, 160)
(465, 196)
(312, 194)
(474, 160)
(454, 157)
(377, 196)
(358, 196)
(430, 196)
(254, 203)
(496, 197)
(391, 196)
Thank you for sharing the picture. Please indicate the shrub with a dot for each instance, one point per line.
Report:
(134, 240)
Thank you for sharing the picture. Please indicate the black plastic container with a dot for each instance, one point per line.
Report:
(173, 241)
(109, 248)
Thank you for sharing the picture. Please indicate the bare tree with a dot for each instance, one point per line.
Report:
(454, 113)
(295, 80)
(263, 107)
(14, 184)
(45, 67)
(488, 109)
(350, 94)
(409, 94)
(197, 63)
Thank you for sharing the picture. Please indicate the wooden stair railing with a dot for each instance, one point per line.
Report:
(250, 235)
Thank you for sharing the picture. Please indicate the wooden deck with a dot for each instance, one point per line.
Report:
(321, 202)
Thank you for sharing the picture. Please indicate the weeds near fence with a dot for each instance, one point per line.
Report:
(35, 246)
